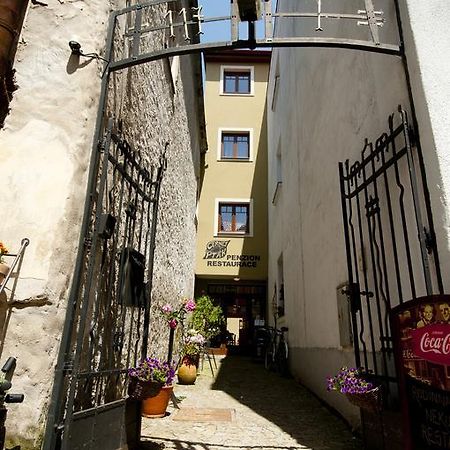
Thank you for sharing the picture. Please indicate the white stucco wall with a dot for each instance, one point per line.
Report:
(45, 148)
(427, 41)
(328, 102)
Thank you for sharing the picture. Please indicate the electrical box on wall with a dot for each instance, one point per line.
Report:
(344, 316)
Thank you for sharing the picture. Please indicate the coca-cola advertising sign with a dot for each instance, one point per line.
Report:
(432, 343)
(421, 336)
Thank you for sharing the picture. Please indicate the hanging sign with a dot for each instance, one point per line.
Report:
(421, 332)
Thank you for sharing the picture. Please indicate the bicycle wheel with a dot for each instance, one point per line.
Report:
(281, 358)
(269, 357)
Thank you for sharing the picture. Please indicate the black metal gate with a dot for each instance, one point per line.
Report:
(107, 323)
(390, 241)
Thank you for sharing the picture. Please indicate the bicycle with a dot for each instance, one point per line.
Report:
(277, 351)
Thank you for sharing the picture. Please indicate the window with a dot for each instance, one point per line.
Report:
(234, 218)
(235, 145)
(235, 82)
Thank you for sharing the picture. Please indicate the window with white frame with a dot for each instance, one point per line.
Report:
(235, 144)
(233, 217)
(236, 80)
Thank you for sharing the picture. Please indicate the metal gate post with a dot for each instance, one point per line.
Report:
(353, 293)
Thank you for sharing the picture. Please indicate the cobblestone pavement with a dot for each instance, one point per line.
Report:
(267, 412)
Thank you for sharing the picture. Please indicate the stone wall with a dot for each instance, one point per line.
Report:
(45, 150)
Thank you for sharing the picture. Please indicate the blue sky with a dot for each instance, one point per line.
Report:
(220, 31)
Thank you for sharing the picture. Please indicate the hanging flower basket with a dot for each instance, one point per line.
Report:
(353, 384)
(369, 401)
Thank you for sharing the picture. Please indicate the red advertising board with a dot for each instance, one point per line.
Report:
(421, 332)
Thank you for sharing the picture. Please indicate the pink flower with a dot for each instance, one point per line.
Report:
(173, 323)
(167, 309)
(189, 306)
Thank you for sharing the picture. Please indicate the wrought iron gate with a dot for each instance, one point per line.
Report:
(390, 241)
(106, 330)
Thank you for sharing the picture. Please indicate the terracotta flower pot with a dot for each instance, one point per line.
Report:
(155, 406)
(187, 372)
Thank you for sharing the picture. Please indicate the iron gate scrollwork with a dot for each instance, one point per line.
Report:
(107, 326)
(390, 242)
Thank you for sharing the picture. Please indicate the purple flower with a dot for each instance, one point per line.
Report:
(173, 323)
(152, 369)
(349, 381)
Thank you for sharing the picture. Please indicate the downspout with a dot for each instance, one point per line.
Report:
(12, 13)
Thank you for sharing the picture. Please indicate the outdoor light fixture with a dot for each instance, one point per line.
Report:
(75, 47)
(76, 50)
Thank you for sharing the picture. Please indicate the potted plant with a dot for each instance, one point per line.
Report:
(151, 382)
(353, 384)
(4, 268)
(191, 349)
(207, 317)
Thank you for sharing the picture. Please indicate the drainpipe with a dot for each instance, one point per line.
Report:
(12, 13)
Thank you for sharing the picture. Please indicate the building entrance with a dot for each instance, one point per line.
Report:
(244, 308)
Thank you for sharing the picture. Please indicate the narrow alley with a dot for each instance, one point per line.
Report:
(246, 407)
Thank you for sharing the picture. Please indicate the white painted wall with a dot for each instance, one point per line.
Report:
(427, 40)
(328, 101)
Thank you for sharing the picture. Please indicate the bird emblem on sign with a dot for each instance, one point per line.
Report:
(216, 249)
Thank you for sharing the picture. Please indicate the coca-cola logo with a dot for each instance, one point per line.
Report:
(432, 343)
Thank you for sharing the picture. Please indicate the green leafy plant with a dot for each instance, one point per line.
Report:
(207, 317)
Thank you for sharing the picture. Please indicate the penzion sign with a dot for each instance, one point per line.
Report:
(216, 254)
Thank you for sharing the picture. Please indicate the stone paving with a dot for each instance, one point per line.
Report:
(267, 412)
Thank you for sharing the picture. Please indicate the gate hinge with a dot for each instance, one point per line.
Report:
(68, 367)
(412, 136)
(430, 241)
(101, 145)
(87, 243)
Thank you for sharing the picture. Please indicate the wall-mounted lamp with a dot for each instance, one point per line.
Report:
(76, 50)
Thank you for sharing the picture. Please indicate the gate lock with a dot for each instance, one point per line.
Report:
(354, 295)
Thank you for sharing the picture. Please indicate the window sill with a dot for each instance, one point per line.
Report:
(233, 235)
(235, 160)
(237, 94)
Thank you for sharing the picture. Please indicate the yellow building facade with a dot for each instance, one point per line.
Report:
(232, 211)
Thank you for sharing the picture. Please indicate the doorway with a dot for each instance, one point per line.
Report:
(244, 306)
